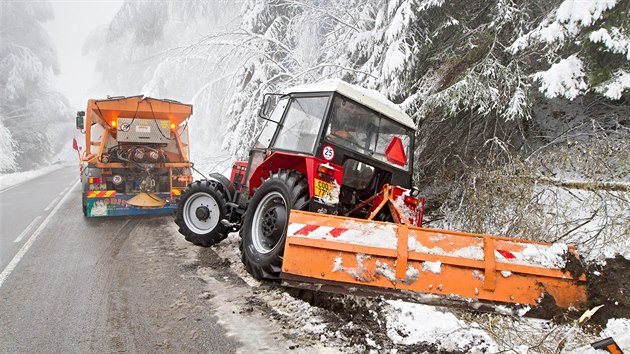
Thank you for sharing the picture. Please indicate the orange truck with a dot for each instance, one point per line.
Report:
(136, 156)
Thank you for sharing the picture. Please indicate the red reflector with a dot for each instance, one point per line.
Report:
(395, 152)
(411, 200)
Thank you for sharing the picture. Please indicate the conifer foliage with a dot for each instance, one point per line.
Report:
(30, 110)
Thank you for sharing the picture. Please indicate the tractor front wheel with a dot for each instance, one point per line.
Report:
(265, 225)
(199, 212)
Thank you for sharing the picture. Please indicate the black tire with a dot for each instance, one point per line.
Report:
(265, 223)
(225, 182)
(196, 213)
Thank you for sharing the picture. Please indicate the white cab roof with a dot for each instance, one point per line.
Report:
(370, 98)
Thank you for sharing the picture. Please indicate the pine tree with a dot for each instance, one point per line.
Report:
(587, 47)
(29, 106)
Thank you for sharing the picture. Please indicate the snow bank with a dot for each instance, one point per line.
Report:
(618, 329)
(12, 179)
(409, 324)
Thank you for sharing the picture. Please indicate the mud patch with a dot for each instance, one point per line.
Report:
(609, 285)
(573, 265)
(547, 309)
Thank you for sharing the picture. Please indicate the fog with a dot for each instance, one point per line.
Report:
(74, 20)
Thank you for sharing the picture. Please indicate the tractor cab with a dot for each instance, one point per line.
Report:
(353, 135)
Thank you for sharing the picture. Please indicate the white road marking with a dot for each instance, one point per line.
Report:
(18, 257)
(63, 191)
(51, 204)
(28, 228)
(13, 186)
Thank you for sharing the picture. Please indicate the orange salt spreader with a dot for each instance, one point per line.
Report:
(136, 156)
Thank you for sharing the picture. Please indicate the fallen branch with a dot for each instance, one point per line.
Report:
(585, 185)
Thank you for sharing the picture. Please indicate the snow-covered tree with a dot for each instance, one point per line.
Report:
(587, 44)
(7, 149)
(162, 51)
(30, 110)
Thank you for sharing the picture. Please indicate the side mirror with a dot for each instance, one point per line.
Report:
(270, 101)
(267, 107)
(80, 123)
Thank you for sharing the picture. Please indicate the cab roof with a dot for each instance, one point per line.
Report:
(369, 98)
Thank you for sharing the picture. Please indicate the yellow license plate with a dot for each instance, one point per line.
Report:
(322, 188)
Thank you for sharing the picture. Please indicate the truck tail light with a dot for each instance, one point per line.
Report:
(97, 180)
(185, 179)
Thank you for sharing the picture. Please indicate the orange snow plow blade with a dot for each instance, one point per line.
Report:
(340, 254)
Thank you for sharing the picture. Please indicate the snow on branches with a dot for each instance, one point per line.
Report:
(595, 35)
(28, 62)
(615, 87)
(565, 78)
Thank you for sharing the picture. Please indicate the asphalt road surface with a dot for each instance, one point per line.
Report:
(74, 285)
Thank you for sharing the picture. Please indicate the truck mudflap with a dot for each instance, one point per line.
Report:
(110, 203)
(367, 257)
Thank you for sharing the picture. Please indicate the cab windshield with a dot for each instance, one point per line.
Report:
(365, 131)
(300, 126)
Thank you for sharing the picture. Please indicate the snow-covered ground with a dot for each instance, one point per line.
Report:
(13, 179)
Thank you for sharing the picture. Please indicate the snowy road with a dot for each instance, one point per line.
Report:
(70, 284)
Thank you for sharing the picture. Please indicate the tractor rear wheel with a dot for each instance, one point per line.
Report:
(200, 209)
(264, 228)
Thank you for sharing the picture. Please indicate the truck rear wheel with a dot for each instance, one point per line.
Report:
(265, 224)
(199, 212)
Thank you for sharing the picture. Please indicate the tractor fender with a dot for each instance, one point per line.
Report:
(227, 185)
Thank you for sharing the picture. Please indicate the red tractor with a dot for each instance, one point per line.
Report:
(325, 203)
(331, 148)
